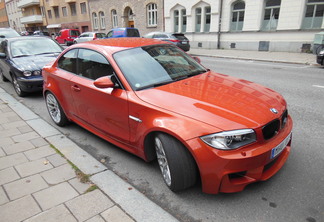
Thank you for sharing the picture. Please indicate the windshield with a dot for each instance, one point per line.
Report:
(35, 46)
(151, 66)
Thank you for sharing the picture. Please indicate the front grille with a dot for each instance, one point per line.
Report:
(271, 129)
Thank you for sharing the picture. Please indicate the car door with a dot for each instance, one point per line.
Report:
(83, 37)
(102, 110)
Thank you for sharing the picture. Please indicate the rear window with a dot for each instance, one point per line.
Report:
(100, 35)
(133, 33)
(180, 36)
(74, 33)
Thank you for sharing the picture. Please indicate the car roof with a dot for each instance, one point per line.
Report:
(121, 43)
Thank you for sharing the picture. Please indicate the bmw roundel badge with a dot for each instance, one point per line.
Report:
(273, 110)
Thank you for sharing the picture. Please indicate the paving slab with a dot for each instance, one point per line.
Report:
(33, 167)
(38, 153)
(25, 137)
(56, 160)
(58, 174)
(18, 147)
(8, 175)
(56, 214)
(115, 214)
(24, 186)
(88, 205)
(19, 210)
(3, 197)
(55, 195)
(80, 187)
(12, 160)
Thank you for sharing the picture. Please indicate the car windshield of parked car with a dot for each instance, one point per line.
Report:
(156, 65)
(35, 46)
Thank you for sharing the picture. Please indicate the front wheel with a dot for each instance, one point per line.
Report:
(17, 87)
(55, 110)
(177, 166)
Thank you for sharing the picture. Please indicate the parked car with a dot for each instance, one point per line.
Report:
(88, 36)
(8, 33)
(152, 99)
(67, 36)
(123, 32)
(26, 33)
(22, 59)
(41, 33)
(178, 39)
(320, 57)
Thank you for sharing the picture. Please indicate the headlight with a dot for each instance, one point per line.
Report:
(37, 73)
(321, 52)
(27, 73)
(229, 140)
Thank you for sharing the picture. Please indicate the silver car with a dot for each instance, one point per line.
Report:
(88, 36)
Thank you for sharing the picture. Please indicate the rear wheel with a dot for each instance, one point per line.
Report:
(55, 110)
(177, 166)
(17, 87)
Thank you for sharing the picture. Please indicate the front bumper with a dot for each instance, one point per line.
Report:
(32, 84)
(232, 171)
(319, 59)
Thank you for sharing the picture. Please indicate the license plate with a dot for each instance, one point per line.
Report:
(278, 149)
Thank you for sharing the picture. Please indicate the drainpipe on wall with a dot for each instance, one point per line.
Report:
(163, 19)
(219, 24)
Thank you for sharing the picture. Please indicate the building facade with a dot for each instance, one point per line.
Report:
(145, 15)
(32, 17)
(264, 25)
(4, 22)
(67, 14)
(14, 14)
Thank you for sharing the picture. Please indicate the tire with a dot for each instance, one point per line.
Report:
(55, 110)
(177, 166)
(17, 87)
(2, 77)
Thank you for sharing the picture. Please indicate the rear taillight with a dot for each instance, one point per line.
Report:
(174, 40)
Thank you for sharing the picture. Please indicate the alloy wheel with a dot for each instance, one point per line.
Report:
(163, 162)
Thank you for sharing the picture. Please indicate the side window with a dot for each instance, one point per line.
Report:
(3, 47)
(110, 34)
(93, 65)
(68, 61)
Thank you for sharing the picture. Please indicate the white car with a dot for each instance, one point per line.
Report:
(88, 36)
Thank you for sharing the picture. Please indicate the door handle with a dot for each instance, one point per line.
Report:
(76, 88)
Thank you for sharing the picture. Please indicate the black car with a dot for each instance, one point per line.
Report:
(22, 59)
(179, 39)
(320, 57)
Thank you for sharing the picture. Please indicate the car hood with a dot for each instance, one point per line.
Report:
(218, 100)
(34, 62)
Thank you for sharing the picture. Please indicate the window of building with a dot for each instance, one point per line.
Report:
(314, 14)
(102, 20)
(73, 9)
(56, 12)
(176, 20)
(95, 20)
(237, 16)
(271, 15)
(198, 19)
(202, 18)
(184, 20)
(151, 15)
(83, 7)
(43, 11)
(64, 11)
(49, 13)
(207, 19)
(114, 18)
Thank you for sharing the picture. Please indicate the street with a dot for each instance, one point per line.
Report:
(296, 193)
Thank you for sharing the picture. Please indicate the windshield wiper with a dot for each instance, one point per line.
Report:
(47, 53)
(155, 85)
(17, 56)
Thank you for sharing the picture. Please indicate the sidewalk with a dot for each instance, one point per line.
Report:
(282, 57)
(38, 184)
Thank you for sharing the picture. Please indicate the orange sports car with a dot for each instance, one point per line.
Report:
(152, 99)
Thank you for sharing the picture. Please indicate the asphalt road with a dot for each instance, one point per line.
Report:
(296, 193)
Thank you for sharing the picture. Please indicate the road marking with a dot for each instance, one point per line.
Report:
(318, 86)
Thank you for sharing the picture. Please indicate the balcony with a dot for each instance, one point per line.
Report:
(26, 3)
(31, 19)
(70, 1)
(53, 3)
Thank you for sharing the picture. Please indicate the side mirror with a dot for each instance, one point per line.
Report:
(103, 83)
(3, 55)
(197, 59)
